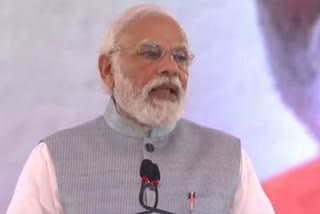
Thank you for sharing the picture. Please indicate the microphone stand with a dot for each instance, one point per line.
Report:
(154, 208)
(150, 171)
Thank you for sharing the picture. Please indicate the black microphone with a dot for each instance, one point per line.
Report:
(146, 174)
(155, 179)
(145, 170)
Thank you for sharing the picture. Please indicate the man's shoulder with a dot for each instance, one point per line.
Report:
(193, 128)
(76, 131)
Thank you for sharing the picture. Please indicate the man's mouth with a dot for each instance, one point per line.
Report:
(165, 91)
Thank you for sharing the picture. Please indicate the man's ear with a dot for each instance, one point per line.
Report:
(105, 70)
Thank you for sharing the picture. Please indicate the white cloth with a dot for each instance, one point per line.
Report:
(37, 188)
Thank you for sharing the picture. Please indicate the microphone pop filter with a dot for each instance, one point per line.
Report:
(146, 169)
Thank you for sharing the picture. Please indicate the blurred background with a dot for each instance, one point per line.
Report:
(255, 76)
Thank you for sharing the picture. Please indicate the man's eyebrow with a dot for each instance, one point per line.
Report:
(182, 45)
(148, 42)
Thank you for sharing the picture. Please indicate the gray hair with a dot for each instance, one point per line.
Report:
(127, 17)
(110, 39)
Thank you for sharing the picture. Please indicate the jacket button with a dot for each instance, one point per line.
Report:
(149, 147)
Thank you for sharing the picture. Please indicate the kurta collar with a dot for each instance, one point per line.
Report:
(131, 128)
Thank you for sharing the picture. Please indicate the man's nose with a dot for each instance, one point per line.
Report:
(167, 65)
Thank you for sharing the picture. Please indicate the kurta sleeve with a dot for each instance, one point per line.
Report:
(37, 190)
(250, 197)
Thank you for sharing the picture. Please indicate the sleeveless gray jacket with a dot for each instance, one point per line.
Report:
(97, 166)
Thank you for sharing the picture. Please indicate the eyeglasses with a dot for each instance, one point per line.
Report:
(151, 51)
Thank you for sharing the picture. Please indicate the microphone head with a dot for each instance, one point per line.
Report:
(146, 169)
(156, 173)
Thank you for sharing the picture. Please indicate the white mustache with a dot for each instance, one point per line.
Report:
(164, 80)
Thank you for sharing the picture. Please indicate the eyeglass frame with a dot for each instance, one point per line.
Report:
(146, 42)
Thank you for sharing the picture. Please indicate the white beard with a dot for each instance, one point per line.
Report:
(137, 104)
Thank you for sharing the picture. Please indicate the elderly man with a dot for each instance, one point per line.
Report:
(94, 168)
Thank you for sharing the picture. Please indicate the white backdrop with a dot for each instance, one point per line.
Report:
(49, 81)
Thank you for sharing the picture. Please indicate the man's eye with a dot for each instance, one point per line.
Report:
(180, 57)
(150, 53)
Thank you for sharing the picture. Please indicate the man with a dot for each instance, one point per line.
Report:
(94, 168)
(292, 36)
